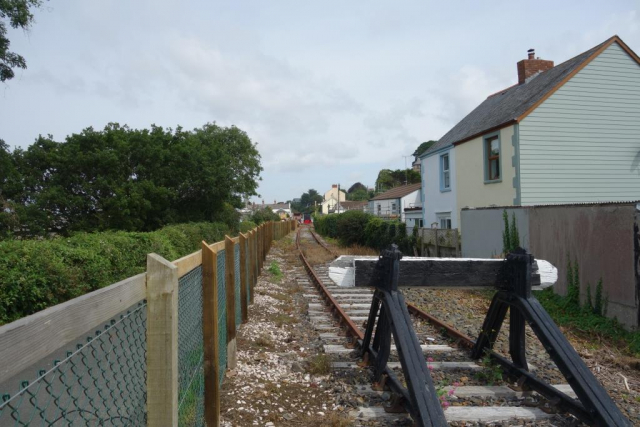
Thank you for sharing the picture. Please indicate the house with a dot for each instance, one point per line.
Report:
(391, 203)
(568, 133)
(279, 208)
(332, 198)
(352, 205)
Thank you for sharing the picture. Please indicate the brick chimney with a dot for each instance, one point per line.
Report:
(334, 186)
(532, 66)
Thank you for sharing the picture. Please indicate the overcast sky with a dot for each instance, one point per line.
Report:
(332, 91)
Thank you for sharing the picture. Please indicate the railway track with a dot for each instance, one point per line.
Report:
(473, 393)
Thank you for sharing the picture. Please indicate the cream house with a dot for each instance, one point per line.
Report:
(332, 198)
(563, 134)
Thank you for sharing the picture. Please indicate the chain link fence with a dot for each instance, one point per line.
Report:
(101, 382)
(236, 276)
(190, 350)
(222, 314)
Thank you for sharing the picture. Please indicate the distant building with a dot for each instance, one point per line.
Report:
(392, 203)
(332, 198)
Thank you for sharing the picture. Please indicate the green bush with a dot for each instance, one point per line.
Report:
(359, 228)
(264, 215)
(36, 274)
(246, 226)
(350, 227)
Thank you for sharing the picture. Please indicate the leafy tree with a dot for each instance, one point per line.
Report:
(359, 194)
(308, 201)
(388, 178)
(355, 187)
(264, 215)
(136, 180)
(423, 147)
(16, 13)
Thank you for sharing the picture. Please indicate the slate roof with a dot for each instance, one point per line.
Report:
(507, 105)
(397, 192)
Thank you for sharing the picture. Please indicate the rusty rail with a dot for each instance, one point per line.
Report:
(323, 244)
(335, 307)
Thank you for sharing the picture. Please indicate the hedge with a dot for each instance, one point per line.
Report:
(36, 274)
(360, 228)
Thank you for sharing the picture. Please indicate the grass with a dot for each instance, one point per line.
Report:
(491, 372)
(283, 319)
(276, 273)
(319, 364)
(586, 324)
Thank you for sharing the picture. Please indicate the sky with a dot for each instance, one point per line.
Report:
(331, 92)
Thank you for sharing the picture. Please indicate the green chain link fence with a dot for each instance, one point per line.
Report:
(247, 266)
(222, 314)
(190, 350)
(101, 383)
(236, 276)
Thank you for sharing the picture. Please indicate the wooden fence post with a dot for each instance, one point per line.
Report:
(437, 244)
(229, 270)
(162, 342)
(243, 277)
(210, 336)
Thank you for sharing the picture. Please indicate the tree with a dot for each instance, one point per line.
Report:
(357, 186)
(137, 180)
(18, 14)
(388, 178)
(423, 147)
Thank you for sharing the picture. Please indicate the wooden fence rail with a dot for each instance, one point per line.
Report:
(31, 340)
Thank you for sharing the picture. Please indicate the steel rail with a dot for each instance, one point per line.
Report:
(323, 244)
(413, 309)
(343, 317)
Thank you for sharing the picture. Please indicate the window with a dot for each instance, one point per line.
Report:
(393, 208)
(379, 209)
(445, 173)
(444, 220)
(420, 223)
(492, 158)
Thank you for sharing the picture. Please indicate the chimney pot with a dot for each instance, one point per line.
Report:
(532, 53)
(334, 186)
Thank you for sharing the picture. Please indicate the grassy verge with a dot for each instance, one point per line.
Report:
(588, 325)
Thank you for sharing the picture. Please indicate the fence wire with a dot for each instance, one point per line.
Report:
(236, 258)
(190, 350)
(102, 382)
(222, 314)
(247, 265)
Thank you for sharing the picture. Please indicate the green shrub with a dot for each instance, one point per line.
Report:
(350, 227)
(264, 215)
(36, 274)
(246, 226)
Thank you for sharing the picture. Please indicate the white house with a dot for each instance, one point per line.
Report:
(391, 203)
(562, 134)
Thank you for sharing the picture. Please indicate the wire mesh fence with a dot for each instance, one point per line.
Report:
(222, 314)
(247, 266)
(236, 276)
(101, 382)
(190, 350)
